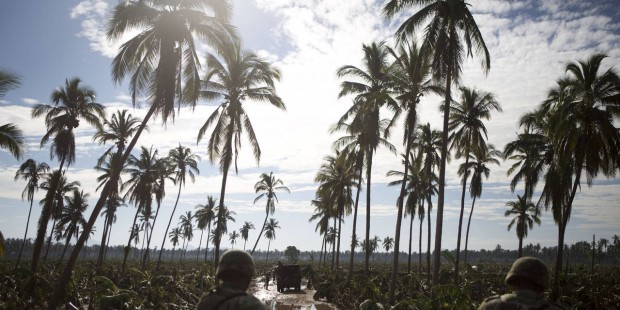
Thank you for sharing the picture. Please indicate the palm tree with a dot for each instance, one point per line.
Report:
(233, 238)
(371, 88)
(414, 194)
(270, 232)
(267, 187)
(187, 227)
(478, 164)
(11, 137)
(163, 63)
(185, 163)
(411, 81)
(245, 232)
(31, 172)
(467, 135)
(56, 186)
(323, 215)
(223, 215)
(165, 171)
(449, 37)
(118, 129)
(71, 103)
(236, 76)
(72, 216)
(388, 242)
(525, 215)
(174, 235)
(140, 187)
(584, 128)
(109, 213)
(337, 179)
(205, 215)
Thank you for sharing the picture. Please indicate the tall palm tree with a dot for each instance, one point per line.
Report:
(337, 178)
(525, 215)
(478, 164)
(410, 76)
(270, 232)
(428, 144)
(267, 187)
(140, 187)
(163, 63)
(233, 238)
(70, 104)
(585, 132)
(414, 193)
(165, 171)
(11, 137)
(245, 232)
(185, 163)
(371, 88)
(323, 215)
(468, 134)
(450, 35)
(205, 215)
(72, 216)
(236, 76)
(187, 227)
(109, 215)
(31, 172)
(121, 127)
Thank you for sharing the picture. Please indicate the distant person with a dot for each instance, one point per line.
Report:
(267, 278)
(529, 278)
(235, 271)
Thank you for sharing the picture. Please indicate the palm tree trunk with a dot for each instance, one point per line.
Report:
(368, 183)
(268, 246)
(458, 238)
(354, 236)
(148, 242)
(428, 245)
(334, 245)
(103, 243)
(163, 242)
(107, 243)
(442, 180)
(69, 234)
(207, 245)
(467, 233)
(46, 214)
(49, 241)
(21, 249)
(520, 251)
(199, 244)
(399, 219)
(128, 247)
(410, 241)
(321, 254)
(341, 211)
(420, 248)
(220, 214)
(261, 232)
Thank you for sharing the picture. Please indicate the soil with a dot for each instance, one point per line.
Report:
(290, 299)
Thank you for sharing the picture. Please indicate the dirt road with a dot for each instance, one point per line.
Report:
(301, 299)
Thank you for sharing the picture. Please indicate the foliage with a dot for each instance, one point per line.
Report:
(291, 253)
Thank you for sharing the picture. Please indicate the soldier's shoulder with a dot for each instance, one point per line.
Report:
(249, 302)
(488, 302)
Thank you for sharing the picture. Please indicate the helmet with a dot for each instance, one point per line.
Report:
(236, 261)
(531, 269)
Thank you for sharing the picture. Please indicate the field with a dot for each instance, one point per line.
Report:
(180, 285)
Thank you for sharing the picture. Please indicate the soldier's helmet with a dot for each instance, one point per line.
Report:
(530, 269)
(236, 261)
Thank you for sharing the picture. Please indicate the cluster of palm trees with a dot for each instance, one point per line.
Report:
(570, 134)
(164, 69)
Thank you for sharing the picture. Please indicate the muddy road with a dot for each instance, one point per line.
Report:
(288, 300)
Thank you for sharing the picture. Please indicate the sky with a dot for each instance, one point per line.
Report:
(529, 41)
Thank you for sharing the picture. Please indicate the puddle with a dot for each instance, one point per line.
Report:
(289, 300)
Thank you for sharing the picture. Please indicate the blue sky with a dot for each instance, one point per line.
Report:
(530, 42)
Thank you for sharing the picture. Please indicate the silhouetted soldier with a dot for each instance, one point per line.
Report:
(529, 278)
(235, 270)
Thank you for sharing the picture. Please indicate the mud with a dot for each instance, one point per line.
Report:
(289, 300)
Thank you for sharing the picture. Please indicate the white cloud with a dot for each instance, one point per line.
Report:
(30, 101)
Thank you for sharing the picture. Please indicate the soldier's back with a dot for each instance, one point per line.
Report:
(520, 300)
(225, 298)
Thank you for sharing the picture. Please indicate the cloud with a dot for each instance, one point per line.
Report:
(30, 101)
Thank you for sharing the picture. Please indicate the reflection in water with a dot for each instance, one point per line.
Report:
(289, 300)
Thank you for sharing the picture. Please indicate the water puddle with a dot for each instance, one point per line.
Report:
(289, 300)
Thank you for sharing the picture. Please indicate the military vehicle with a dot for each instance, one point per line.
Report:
(288, 276)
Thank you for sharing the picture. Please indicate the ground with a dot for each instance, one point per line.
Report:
(289, 299)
